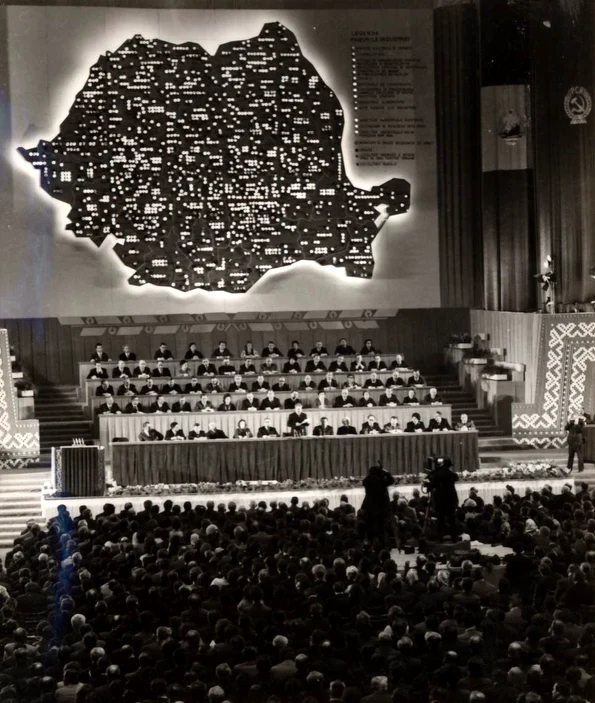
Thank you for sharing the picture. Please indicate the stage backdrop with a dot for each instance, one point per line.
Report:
(378, 65)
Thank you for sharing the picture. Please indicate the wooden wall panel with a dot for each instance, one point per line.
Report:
(49, 350)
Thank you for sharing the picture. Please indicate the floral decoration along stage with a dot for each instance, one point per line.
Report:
(520, 471)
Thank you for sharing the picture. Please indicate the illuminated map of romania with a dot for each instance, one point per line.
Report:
(212, 170)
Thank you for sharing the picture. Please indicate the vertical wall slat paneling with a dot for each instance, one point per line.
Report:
(50, 351)
(518, 333)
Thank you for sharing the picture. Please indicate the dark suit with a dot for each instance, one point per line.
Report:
(146, 389)
(131, 356)
(94, 373)
(326, 385)
(247, 367)
(153, 436)
(385, 400)
(102, 390)
(267, 352)
(267, 432)
(289, 403)
(170, 435)
(102, 358)
(373, 384)
(257, 388)
(122, 390)
(192, 389)
(376, 503)
(104, 408)
(396, 365)
(295, 353)
(294, 423)
(202, 405)
(411, 401)
(244, 433)
(369, 403)
(138, 371)
(412, 381)
(227, 369)
(357, 366)
(117, 373)
(238, 387)
(288, 368)
(178, 407)
(346, 430)
(304, 387)
(367, 428)
(320, 431)
(247, 404)
(322, 351)
(161, 373)
(155, 408)
(344, 350)
(445, 499)
(281, 387)
(413, 428)
(575, 437)
(169, 388)
(195, 435)
(192, 355)
(163, 354)
(274, 404)
(338, 367)
(216, 434)
(341, 402)
(442, 425)
(131, 409)
(391, 382)
(436, 399)
(313, 367)
(377, 366)
(269, 368)
(206, 370)
(218, 354)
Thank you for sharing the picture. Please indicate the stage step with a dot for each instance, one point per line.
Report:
(20, 502)
(61, 419)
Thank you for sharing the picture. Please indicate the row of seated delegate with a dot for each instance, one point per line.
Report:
(155, 402)
(248, 352)
(249, 367)
(298, 425)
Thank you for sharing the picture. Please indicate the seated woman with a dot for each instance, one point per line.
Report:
(249, 352)
(242, 431)
(226, 405)
(368, 349)
(184, 370)
(295, 352)
(193, 352)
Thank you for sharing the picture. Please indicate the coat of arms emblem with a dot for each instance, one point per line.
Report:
(577, 104)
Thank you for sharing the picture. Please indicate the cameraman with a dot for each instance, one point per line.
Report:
(444, 497)
(376, 504)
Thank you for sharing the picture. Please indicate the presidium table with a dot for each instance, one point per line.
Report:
(222, 461)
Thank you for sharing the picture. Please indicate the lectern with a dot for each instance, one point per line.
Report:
(78, 471)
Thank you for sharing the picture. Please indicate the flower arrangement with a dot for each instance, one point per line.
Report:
(512, 472)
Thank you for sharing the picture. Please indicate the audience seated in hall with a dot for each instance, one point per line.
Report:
(127, 388)
(328, 383)
(248, 368)
(134, 407)
(323, 429)
(368, 349)
(184, 370)
(192, 353)
(465, 424)
(196, 432)
(411, 398)
(346, 428)
(281, 386)
(388, 399)
(227, 368)
(104, 388)
(149, 433)
(271, 402)
(344, 400)
(163, 353)
(344, 349)
(398, 363)
(238, 385)
(206, 368)
(318, 350)
(393, 426)
(150, 388)
(126, 355)
(170, 387)
(338, 365)
(242, 431)
(121, 370)
(316, 365)
(221, 351)
(432, 398)
(142, 370)
(250, 402)
(438, 423)
(292, 366)
(307, 385)
(181, 405)
(415, 424)
(99, 356)
(289, 403)
(358, 365)
(295, 352)
(394, 381)
(351, 384)
(203, 405)
(267, 429)
(226, 405)
(214, 386)
(174, 432)
(161, 370)
(271, 350)
(193, 387)
(416, 379)
(160, 405)
(322, 401)
(109, 407)
(377, 364)
(366, 401)
(97, 372)
(214, 432)
(260, 385)
(373, 381)
(371, 426)
(249, 352)
(268, 366)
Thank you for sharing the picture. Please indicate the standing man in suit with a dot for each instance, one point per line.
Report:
(376, 504)
(439, 423)
(444, 497)
(324, 429)
(298, 422)
(267, 429)
(175, 433)
(576, 439)
(149, 433)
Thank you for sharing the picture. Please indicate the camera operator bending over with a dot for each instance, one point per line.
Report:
(445, 500)
(376, 504)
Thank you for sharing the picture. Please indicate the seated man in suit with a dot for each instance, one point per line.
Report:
(351, 384)
(205, 368)
(193, 387)
(150, 388)
(97, 372)
(377, 364)
(281, 386)
(181, 406)
(237, 385)
(270, 402)
(247, 368)
(221, 351)
(295, 352)
(432, 398)
(214, 386)
(242, 431)
(227, 368)
(193, 352)
(322, 402)
(267, 429)
(339, 365)
(328, 383)
(346, 428)
(324, 429)
(358, 365)
(271, 350)
(369, 349)
(373, 381)
(170, 387)
(371, 426)
(104, 388)
(416, 379)
(142, 370)
(415, 424)
(161, 371)
(149, 433)
(134, 407)
(127, 388)
(203, 405)
(344, 349)
(99, 355)
(318, 350)
(184, 370)
(395, 381)
(298, 422)
(250, 403)
(393, 426)
(121, 370)
(126, 355)
(344, 400)
(292, 366)
(399, 363)
(307, 385)
(109, 407)
(214, 433)
(290, 402)
(175, 433)
(411, 398)
(163, 353)
(366, 401)
(260, 385)
(196, 432)
(388, 399)
(464, 424)
(315, 365)
(160, 406)
(439, 423)
(268, 366)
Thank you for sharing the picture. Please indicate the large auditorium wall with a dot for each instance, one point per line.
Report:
(50, 349)
(378, 65)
